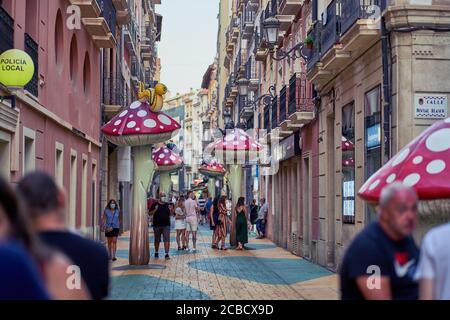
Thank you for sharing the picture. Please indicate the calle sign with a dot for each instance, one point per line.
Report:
(16, 68)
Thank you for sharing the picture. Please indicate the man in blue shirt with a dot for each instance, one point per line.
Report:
(208, 206)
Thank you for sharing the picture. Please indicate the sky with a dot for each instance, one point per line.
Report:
(188, 42)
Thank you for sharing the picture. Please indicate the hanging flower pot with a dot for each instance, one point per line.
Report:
(309, 42)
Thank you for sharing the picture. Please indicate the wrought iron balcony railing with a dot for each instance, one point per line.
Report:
(300, 95)
(108, 11)
(330, 27)
(267, 119)
(274, 112)
(113, 90)
(32, 48)
(353, 10)
(250, 69)
(6, 31)
(283, 105)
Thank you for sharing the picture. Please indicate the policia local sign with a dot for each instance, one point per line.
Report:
(430, 106)
(16, 68)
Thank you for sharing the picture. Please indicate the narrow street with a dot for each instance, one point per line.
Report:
(264, 272)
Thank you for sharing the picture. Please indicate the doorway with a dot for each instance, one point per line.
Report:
(307, 207)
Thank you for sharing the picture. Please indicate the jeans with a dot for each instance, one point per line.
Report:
(261, 226)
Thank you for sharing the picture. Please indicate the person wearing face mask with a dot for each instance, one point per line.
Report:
(161, 212)
(111, 226)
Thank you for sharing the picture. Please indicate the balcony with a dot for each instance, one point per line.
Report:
(314, 54)
(261, 49)
(235, 29)
(103, 27)
(251, 74)
(285, 19)
(113, 95)
(232, 85)
(88, 8)
(137, 72)
(290, 7)
(229, 100)
(346, 34)
(123, 15)
(6, 31)
(300, 103)
(32, 48)
(230, 43)
(248, 23)
(131, 37)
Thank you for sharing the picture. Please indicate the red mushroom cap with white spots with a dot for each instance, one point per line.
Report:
(137, 125)
(424, 164)
(212, 169)
(237, 142)
(166, 160)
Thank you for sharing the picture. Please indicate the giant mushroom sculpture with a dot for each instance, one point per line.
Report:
(424, 164)
(235, 148)
(167, 162)
(139, 127)
(212, 170)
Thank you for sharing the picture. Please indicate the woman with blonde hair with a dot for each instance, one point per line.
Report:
(180, 224)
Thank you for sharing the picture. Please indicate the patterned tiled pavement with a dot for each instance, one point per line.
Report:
(264, 272)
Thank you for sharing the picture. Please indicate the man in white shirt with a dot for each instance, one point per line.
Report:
(191, 208)
(433, 271)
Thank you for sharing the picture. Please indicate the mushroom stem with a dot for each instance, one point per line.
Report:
(144, 169)
(165, 183)
(235, 182)
(212, 187)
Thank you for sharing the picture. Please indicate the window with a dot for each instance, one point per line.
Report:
(59, 164)
(73, 59)
(348, 163)
(5, 155)
(86, 75)
(373, 141)
(73, 190)
(29, 150)
(84, 194)
(59, 40)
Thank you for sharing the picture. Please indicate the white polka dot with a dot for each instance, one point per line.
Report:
(439, 141)
(123, 114)
(400, 157)
(436, 166)
(164, 119)
(411, 180)
(166, 151)
(173, 158)
(166, 162)
(230, 137)
(243, 138)
(138, 129)
(161, 127)
(374, 184)
(117, 122)
(447, 120)
(131, 116)
(135, 105)
(236, 143)
(150, 123)
(254, 145)
(131, 124)
(391, 178)
(161, 156)
(115, 130)
(142, 113)
(418, 160)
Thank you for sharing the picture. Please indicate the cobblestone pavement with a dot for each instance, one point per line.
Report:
(264, 272)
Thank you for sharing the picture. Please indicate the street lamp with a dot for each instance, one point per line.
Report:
(271, 27)
(243, 84)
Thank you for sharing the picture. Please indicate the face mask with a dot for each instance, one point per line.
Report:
(113, 205)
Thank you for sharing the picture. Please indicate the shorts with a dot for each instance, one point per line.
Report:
(192, 224)
(180, 224)
(203, 212)
(112, 234)
(162, 231)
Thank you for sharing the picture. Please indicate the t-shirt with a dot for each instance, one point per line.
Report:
(179, 212)
(19, 277)
(208, 205)
(201, 203)
(90, 256)
(161, 217)
(263, 211)
(190, 206)
(112, 218)
(435, 261)
(372, 250)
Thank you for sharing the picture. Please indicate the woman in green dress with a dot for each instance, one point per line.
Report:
(242, 224)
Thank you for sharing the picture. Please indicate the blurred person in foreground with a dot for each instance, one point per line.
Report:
(433, 272)
(29, 270)
(381, 261)
(45, 208)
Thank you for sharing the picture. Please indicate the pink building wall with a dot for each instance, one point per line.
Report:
(62, 96)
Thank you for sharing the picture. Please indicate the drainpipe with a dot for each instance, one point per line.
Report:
(98, 210)
(387, 80)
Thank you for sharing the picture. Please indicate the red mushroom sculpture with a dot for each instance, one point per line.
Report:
(139, 127)
(167, 162)
(424, 164)
(235, 148)
(212, 170)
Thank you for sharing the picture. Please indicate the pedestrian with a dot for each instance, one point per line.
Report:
(213, 218)
(433, 272)
(222, 223)
(180, 224)
(208, 206)
(191, 219)
(261, 220)
(201, 208)
(381, 261)
(242, 224)
(161, 212)
(45, 207)
(111, 226)
(253, 213)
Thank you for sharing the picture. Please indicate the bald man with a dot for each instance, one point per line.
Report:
(381, 261)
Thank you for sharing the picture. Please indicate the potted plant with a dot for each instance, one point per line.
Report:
(309, 42)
